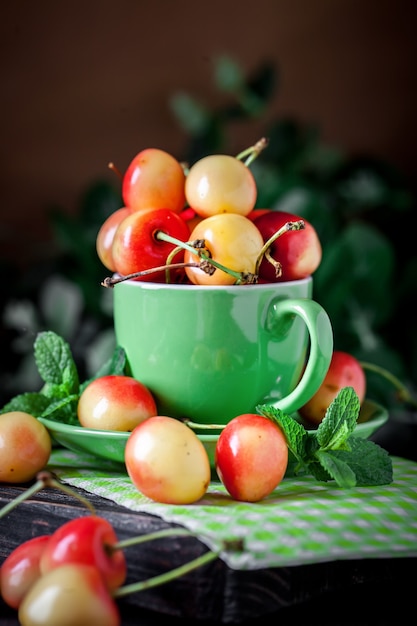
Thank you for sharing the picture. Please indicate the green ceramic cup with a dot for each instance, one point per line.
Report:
(210, 353)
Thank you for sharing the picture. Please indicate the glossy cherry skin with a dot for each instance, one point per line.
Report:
(136, 248)
(344, 371)
(86, 540)
(70, 595)
(25, 447)
(167, 462)
(154, 179)
(115, 403)
(21, 569)
(298, 251)
(232, 240)
(105, 236)
(220, 183)
(251, 457)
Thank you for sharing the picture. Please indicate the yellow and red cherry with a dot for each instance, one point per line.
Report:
(251, 457)
(25, 447)
(220, 183)
(135, 245)
(21, 569)
(344, 371)
(299, 252)
(72, 594)
(167, 462)
(231, 240)
(115, 402)
(105, 236)
(154, 179)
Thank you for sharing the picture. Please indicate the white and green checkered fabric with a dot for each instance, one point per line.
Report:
(302, 521)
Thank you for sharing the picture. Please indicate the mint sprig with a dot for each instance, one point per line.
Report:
(58, 398)
(333, 451)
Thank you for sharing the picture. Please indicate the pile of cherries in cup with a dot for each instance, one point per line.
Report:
(193, 226)
(199, 226)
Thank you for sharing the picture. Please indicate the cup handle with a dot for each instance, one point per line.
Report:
(281, 314)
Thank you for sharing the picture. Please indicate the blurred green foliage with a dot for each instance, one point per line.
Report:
(361, 207)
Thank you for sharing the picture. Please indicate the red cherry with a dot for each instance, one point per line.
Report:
(88, 541)
(299, 252)
(154, 180)
(136, 248)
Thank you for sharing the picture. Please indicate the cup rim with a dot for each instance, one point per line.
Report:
(148, 285)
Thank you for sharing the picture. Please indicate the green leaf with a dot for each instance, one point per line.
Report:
(337, 468)
(370, 463)
(63, 410)
(33, 403)
(228, 74)
(191, 114)
(358, 264)
(55, 362)
(340, 420)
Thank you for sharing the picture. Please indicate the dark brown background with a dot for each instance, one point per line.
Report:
(87, 82)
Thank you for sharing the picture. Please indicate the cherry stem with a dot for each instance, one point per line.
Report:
(404, 394)
(158, 534)
(203, 559)
(44, 480)
(297, 225)
(115, 169)
(161, 579)
(253, 152)
(196, 425)
(110, 281)
(198, 252)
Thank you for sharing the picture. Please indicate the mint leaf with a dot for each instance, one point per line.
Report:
(340, 420)
(55, 362)
(332, 452)
(63, 410)
(371, 464)
(338, 469)
(33, 403)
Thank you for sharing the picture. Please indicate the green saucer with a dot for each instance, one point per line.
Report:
(110, 445)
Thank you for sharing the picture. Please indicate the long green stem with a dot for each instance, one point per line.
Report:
(158, 534)
(166, 577)
(403, 393)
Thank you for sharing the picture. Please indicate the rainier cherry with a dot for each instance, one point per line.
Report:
(298, 252)
(167, 462)
(115, 403)
(154, 180)
(136, 247)
(344, 371)
(251, 457)
(70, 595)
(220, 183)
(21, 569)
(25, 447)
(86, 540)
(232, 240)
(105, 236)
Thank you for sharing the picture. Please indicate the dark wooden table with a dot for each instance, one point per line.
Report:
(360, 592)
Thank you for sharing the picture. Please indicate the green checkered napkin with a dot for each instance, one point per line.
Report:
(302, 521)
